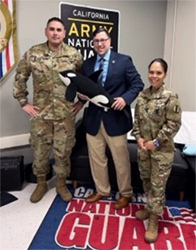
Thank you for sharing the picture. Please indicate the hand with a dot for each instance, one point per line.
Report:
(31, 110)
(142, 144)
(76, 107)
(119, 103)
(83, 97)
(150, 145)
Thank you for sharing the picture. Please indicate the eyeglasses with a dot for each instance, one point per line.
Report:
(102, 41)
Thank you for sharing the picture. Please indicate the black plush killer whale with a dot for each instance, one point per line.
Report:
(88, 86)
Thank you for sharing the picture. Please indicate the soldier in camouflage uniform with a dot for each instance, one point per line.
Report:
(52, 117)
(157, 120)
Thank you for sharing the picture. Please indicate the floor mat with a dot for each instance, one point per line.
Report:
(6, 198)
(78, 225)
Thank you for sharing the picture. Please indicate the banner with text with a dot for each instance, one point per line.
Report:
(81, 21)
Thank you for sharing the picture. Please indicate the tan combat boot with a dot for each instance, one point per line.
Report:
(40, 189)
(62, 190)
(151, 233)
(142, 214)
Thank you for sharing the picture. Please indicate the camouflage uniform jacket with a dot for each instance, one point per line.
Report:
(157, 116)
(48, 89)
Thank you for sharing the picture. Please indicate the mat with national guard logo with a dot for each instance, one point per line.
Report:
(78, 225)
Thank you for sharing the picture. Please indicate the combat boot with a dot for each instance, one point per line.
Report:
(40, 189)
(151, 233)
(62, 190)
(142, 214)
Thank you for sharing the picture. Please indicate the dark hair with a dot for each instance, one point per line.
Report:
(162, 62)
(99, 30)
(55, 19)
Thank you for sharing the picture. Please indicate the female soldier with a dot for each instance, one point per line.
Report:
(157, 120)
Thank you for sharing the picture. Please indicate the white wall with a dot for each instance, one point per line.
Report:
(180, 50)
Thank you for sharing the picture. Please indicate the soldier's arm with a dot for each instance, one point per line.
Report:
(136, 128)
(79, 63)
(173, 120)
(20, 85)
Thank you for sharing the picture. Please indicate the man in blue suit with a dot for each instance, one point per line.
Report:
(122, 81)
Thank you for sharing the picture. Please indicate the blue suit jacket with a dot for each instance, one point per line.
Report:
(123, 81)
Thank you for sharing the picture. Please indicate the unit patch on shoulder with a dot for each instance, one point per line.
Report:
(176, 109)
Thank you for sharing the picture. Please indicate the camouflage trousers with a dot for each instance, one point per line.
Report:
(155, 168)
(46, 135)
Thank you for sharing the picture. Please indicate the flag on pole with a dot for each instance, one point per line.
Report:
(8, 38)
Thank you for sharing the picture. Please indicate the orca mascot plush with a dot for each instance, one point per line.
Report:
(88, 86)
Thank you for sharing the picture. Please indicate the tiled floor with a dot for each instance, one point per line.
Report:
(20, 220)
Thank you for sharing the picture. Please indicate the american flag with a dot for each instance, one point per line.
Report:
(8, 41)
(183, 214)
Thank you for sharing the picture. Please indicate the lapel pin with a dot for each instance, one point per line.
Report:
(113, 61)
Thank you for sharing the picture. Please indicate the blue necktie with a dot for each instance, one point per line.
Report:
(101, 64)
